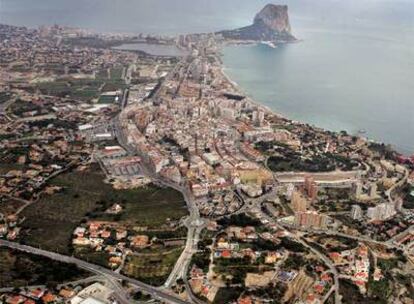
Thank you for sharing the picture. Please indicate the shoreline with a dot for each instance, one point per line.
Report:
(238, 88)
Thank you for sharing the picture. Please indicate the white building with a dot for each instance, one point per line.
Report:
(93, 294)
(381, 212)
(356, 212)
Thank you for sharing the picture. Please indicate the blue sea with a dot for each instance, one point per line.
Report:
(352, 70)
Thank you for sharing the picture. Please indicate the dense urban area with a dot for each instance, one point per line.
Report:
(127, 177)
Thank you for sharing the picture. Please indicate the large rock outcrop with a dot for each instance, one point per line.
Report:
(275, 17)
(270, 24)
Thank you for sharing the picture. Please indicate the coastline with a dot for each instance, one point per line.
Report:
(238, 88)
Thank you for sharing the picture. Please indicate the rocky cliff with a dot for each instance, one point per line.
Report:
(270, 24)
(275, 17)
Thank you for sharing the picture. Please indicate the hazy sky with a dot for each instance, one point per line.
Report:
(201, 15)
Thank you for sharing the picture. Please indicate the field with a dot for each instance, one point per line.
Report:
(106, 99)
(116, 73)
(83, 89)
(94, 257)
(20, 269)
(152, 268)
(150, 206)
(51, 221)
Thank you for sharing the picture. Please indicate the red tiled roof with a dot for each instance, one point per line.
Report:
(245, 300)
(226, 254)
(47, 298)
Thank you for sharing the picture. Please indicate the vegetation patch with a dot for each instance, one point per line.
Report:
(152, 268)
(9, 206)
(227, 295)
(21, 269)
(319, 163)
(51, 221)
(4, 96)
(241, 220)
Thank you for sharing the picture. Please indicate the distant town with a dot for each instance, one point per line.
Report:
(128, 177)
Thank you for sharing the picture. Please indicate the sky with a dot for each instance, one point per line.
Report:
(177, 15)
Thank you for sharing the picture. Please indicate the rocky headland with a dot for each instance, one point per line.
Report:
(271, 24)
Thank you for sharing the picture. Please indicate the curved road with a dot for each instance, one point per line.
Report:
(156, 293)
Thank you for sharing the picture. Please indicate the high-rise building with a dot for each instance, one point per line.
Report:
(299, 203)
(290, 188)
(398, 204)
(228, 113)
(356, 212)
(381, 212)
(311, 188)
(373, 190)
(310, 219)
(258, 117)
(357, 189)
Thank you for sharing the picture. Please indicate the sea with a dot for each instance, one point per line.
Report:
(352, 68)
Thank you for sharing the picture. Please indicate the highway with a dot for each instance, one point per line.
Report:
(90, 279)
(112, 276)
(184, 260)
(194, 224)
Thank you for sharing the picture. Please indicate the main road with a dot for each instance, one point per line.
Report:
(154, 292)
(194, 223)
